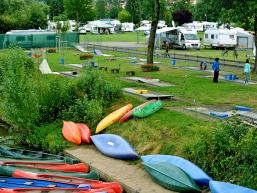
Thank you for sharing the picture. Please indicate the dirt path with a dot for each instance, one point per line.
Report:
(131, 177)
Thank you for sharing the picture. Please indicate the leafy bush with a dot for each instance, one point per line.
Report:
(228, 153)
(149, 68)
(86, 56)
(34, 104)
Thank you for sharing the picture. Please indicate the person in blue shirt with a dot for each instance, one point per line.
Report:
(247, 70)
(216, 69)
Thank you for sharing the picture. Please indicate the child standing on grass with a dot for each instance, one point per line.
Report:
(247, 71)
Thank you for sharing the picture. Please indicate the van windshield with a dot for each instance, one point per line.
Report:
(191, 37)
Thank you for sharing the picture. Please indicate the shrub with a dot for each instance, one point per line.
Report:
(86, 56)
(228, 153)
(149, 68)
(51, 50)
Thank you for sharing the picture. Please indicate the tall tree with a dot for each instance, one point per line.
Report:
(79, 10)
(100, 8)
(114, 9)
(56, 7)
(133, 7)
(154, 24)
(182, 16)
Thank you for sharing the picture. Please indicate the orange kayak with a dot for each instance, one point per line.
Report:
(128, 115)
(71, 132)
(81, 167)
(113, 117)
(85, 132)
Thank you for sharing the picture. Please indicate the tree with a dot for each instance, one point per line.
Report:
(56, 7)
(100, 8)
(124, 16)
(182, 16)
(79, 10)
(114, 9)
(151, 42)
(37, 17)
(133, 7)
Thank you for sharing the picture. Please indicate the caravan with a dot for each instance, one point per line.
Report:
(127, 27)
(228, 38)
(182, 38)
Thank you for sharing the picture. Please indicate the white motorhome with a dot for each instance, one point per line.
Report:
(225, 38)
(127, 27)
(180, 37)
(198, 26)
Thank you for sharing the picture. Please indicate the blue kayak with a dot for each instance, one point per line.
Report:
(225, 187)
(196, 173)
(114, 146)
(32, 183)
(242, 108)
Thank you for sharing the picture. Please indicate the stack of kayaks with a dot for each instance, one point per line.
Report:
(32, 172)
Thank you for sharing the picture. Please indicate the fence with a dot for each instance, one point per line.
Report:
(30, 39)
(177, 56)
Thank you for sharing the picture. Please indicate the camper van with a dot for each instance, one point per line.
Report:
(127, 27)
(225, 38)
(182, 38)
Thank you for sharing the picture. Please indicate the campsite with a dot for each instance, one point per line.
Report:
(127, 98)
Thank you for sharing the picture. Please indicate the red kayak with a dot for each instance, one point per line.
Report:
(85, 132)
(95, 184)
(80, 167)
(128, 115)
(55, 190)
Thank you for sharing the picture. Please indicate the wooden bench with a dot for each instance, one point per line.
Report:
(115, 70)
(103, 68)
(130, 73)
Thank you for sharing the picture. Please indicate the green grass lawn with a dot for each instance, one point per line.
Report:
(167, 131)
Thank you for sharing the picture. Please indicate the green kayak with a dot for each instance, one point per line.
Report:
(6, 170)
(13, 153)
(171, 177)
(147, 110)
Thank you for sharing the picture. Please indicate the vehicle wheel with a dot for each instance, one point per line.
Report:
(184, 47)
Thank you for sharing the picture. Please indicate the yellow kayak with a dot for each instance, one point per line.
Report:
(113, 117)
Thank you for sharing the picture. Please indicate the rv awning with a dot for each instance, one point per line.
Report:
(164, 30)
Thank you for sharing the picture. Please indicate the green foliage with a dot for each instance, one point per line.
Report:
(79, 10)
(48, 137)
(100, 9)
(19, 98)
(228, 153)
(124, 16)
(132, 6)
(56, 8)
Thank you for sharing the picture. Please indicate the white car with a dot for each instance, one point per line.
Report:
(82, 30)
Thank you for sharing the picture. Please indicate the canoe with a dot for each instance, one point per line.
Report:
(196, 173)
(34, 155)
(225, 187)
(80, 167)
(52, 190)
(128, 115)
(9, 170)
(147, 110)
(171, 177)
(95, 184)
(85, 132)
(114, 146)
(113, 117)
(71, 132)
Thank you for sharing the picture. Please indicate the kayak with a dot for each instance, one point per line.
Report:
(114, 146)
(112, 118)
(71, 132)
(171, 177)
(80, 167)
(85, 132)
(147, 110)
(57, 190)
(9, 170)
(196, 173)
(68, 179)
(34, 155)
(225, 187)
(128, 115)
